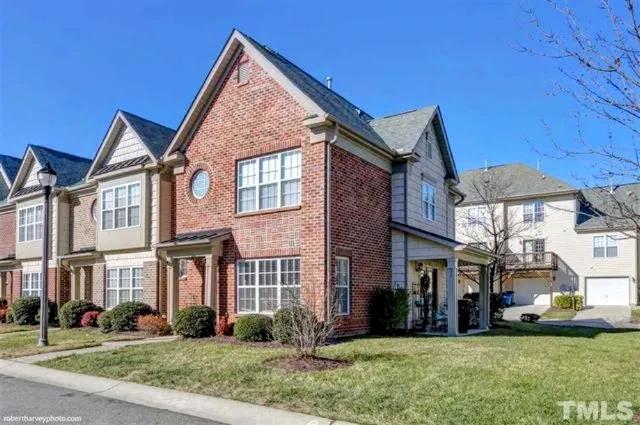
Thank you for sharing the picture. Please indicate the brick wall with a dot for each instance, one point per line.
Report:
(360, 213)
(192, 285)
(243, 121)
(82, 227)
(8, 232)
(16, 285)
(98, 286)
(150, 283)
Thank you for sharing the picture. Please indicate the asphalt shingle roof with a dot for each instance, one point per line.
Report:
(515, 180)
(123, 164)
(155, 136)
(599, 208)
(70, 168)
(10, 165)
(198, 236)
(402, 131)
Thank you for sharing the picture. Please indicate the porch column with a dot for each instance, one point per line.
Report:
(173, 290)
(484, 297)
(3, 284)
(211, 281)
(452, 296)
(75, 283)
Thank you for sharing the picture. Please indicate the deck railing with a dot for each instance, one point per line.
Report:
(530, 260)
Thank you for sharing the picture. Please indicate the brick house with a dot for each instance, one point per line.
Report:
(273, 188)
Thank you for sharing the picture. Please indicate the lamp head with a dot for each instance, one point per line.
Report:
(47, 177)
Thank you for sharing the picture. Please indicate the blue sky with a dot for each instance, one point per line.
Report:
(65, 67)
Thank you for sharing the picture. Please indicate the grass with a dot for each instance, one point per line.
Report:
(559, 313)
(25, 343)
(512, 375)
(6, 328)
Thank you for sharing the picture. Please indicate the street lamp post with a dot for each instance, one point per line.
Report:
(47, 178)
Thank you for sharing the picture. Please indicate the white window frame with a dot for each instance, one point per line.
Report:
(205, 186)
(429, 201)
(117, 288)
(341, 272)
(477, 215)
(127, 206)
(607, 241)
(279, 181)
(256, 283)
(429, 146)
(33, 225)
(27, 286)
(183, 268)
(533, 212)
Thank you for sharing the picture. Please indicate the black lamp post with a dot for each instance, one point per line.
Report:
(47, 178)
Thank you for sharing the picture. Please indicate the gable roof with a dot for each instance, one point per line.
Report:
(154, 137)
(8, 170)
(520, 180)
(597, 207)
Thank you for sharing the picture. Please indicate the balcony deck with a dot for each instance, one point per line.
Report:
(530, 261)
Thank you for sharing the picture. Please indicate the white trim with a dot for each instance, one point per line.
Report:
(256, 282)
(5, 177)
(34, 223)
(113, 209)
(606, 245)
(534, 214)
(348, 285)
(22, 170)
(29, 276)
(117, 287)
(192, 186)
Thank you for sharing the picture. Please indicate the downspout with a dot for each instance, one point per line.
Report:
(333, 140)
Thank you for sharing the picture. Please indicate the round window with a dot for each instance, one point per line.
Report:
(200, 184)
(94, 212)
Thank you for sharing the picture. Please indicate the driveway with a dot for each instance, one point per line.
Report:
(600, 316)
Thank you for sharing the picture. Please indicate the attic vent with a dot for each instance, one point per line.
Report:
(243, 72)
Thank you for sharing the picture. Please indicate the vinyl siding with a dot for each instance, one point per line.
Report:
(128, 146)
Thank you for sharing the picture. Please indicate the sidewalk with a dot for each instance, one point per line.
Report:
(230, 412)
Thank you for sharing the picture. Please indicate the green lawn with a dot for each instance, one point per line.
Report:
(559, 313)
(26, 343)
(6, 328)
(513, 375)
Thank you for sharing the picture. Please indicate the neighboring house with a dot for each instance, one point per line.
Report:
(8, 170)
(564, 244)
(273, 189)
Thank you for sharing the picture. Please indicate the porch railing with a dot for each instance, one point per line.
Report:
(530, 260)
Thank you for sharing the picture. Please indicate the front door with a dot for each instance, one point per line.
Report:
(534, 250)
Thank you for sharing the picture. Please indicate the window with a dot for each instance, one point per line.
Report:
(428, 201)
(477, 215)
(123, 284)
(269, 182)
(182, 269)
(30, 223)
(266, 285)
(121, 206)
(533, 212)
(535, 249)
(31, 284)
(343, 285)
(94, 212)
(605, 246)
(243, 72)
(200, 184)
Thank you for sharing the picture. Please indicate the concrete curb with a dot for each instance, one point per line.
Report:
(229, 412)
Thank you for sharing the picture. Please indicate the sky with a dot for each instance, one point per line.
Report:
(66, 67)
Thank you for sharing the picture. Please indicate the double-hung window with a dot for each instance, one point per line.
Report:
(123, 284)
(121, 206)
(533, 212)
(605, 246)
(428, 201)
(343, 285)
(477, 215)
(31, 284)
(266, 285)
(268, 182)
(30, 223)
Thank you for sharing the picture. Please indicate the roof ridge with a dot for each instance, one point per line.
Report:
(59, 152)
(264, 46)
(405, 112)
(146, 119)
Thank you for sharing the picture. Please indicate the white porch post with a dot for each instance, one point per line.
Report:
(75, 284)
(173, 291)
(211, 281)
(484, 297)
(452, 296)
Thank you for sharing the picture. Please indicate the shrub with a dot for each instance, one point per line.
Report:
(90, 319)
(223, 327)
(153, 324)
(124, 316)
(26, 311)
(9, 317)
(496, 307)
(3, 315)
(529, 317)
(105, 320)
(389, 309)
(283, 325)
(253, 327)
(72, 312)
(575, 302)
(197, 321)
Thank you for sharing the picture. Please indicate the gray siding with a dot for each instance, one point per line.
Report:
(398, 258)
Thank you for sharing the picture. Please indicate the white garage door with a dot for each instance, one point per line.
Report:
(531, 291)
(607, 291)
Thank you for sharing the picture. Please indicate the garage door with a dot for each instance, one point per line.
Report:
(531, 291)
(607, 291)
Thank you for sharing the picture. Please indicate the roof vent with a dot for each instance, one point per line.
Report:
(329, 82)
(358, 111)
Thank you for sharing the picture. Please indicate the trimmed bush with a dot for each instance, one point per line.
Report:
(197, 321)
(283, 325)
(154, 325)
(26, 311)
(253, 327)
(72, 312)
(575, 302)
(90, 319)
(389, 309)
(529, 317)
(123, 317)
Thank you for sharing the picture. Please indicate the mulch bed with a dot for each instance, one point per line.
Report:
(307, 364)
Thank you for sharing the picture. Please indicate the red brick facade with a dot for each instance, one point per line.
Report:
(8, 232)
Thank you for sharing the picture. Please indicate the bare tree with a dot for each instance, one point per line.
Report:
(599, 60)
(488, 223)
